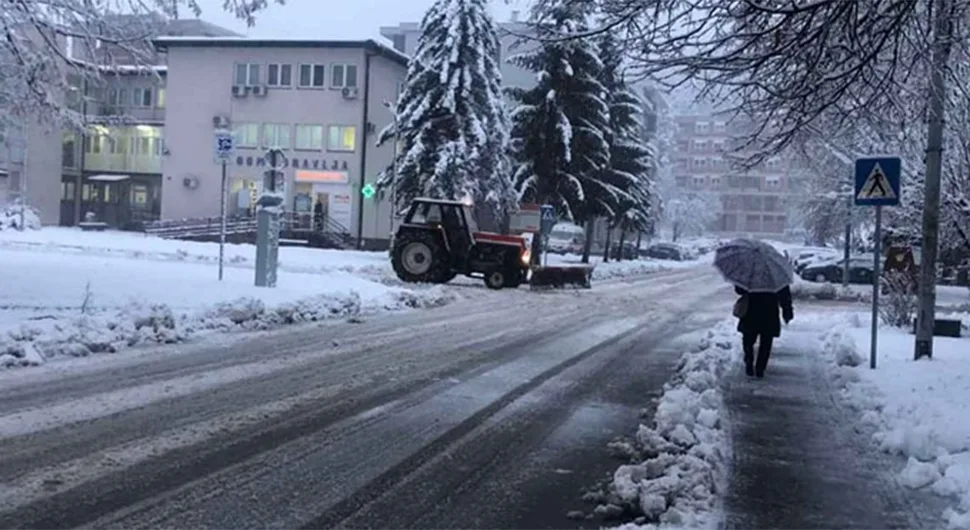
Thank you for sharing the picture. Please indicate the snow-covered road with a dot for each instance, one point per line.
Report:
(490, 412)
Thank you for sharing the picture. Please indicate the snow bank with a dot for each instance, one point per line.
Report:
(917, 409)
(34, 341)
(11, 216)
(682, 458)
(803, 290)
(55, 304)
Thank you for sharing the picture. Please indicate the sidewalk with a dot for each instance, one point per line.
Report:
(800, 461)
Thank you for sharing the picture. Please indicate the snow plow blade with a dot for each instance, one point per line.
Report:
(561, 276)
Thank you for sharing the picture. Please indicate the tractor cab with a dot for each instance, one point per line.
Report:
(439, 239)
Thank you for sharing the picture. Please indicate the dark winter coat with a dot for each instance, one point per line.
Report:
(762, 314)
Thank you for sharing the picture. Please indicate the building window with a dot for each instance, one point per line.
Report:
(117, 146)
(247, 74)
(716, 181)
(698, 181)
(343, 75)
(720, 127)
(160, 98)
(247, 134)
(701, 127)
(276, 135)
(700, 145)
(279, 75)
(312, 75)
(141, 97)
(309, 137)
(342, 138)
(772, 182)
(117, 97)
(68, 150)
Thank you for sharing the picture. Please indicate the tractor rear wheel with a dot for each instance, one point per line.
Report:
(419, 258)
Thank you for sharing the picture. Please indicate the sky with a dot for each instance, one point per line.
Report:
(333, 19)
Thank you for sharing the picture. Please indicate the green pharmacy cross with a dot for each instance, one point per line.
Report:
(368, 191)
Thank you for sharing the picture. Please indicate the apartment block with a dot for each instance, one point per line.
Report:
(404, 38)
(322, 102)
(753, 201)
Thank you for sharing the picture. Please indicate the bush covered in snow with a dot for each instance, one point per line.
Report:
(898, 307)
(11, 216)
(679, 462)
(37, 340)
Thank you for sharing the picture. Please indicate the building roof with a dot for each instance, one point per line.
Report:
(164, 43)
(195, 27)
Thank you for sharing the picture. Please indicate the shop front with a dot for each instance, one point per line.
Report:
(126, 202)
(322, 199)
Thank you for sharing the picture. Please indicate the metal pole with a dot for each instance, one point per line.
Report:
(846, 253)
(942, 43)
(876, 253)
(393, 204)
(222, 221)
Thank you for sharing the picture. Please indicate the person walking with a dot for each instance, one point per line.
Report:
(758, 322)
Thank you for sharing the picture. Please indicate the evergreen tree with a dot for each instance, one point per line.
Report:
(451, 115)
(632, 162)
(560, 127)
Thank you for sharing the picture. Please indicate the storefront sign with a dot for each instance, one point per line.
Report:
(295, 163)
(321, 177)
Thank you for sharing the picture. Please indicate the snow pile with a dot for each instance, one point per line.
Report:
(11, 216)
(803, 290)
(682, 458)
(917, 409)
(34, 341)
(627, 269)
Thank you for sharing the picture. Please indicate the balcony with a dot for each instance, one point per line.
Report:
(122, 163)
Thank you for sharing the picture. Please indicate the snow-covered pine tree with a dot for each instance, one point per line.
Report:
(559, 128)
(631, 164)
(451, 115)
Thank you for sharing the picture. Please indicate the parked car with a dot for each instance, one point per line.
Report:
(804, 258)
(629, 250)
(860, 271)
(667, 251)
(566, 238)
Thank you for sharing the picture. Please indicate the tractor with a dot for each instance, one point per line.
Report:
(439, 240)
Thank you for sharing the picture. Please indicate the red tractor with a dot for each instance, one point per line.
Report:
(439, 240)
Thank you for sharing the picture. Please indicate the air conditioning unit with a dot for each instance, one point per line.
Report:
(258, 90)
(239, 91)
(349, 92)
(220, 122)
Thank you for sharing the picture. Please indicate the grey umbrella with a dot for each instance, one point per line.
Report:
(754, 266)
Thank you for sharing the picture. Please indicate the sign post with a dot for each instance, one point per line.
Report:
(547, 219)
(877, 183)
(223, 149)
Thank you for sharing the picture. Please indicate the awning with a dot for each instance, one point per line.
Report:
(108, 178)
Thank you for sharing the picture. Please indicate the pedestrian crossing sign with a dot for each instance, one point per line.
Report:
(877, 181)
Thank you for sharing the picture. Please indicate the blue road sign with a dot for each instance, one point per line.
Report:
(224, 145)
(547, 218)
(877, 181)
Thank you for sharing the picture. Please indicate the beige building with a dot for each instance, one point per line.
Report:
(322, 102)
(752, 202)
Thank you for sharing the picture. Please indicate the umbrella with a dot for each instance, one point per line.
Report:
(753, 265)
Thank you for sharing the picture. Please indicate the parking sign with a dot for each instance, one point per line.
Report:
(224, 145)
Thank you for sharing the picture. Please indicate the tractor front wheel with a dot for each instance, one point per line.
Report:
(419, 258)
(496, 279)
